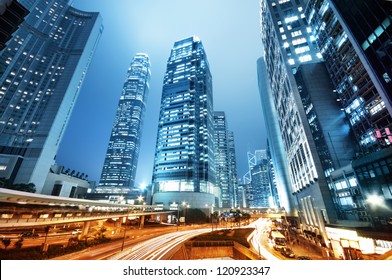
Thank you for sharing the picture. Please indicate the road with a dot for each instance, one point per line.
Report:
(133, 238)
(158, 247)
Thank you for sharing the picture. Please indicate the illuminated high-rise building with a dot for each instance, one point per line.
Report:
(232, 158)
(223, 161)
(119, 169)
(291, 138)
(184, 165)
(42, 69)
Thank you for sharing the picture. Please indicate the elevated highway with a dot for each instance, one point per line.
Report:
(29, 210)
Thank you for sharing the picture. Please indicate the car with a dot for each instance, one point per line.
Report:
(304, 258)
(287, 252)
(77, 231)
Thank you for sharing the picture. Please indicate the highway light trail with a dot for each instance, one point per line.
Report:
(158, 247)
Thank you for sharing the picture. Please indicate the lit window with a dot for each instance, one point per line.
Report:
(305, 58)
(299, 41)
(284, 37)
(291, 19)
(291, 61)
(319, 55)
(285, 45)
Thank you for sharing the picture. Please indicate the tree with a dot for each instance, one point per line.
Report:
(6, 242)
(30, 187)
(18, 244)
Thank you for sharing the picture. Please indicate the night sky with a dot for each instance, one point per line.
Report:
(229, 31)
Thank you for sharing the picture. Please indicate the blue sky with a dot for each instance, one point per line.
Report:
(229, 30)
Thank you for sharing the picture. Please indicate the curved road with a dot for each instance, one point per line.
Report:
(158, 247)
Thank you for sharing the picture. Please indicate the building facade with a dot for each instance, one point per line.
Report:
(222, 161)
(308, 185)
(119, 169)
(42, 69)
(261, 187)
(184, 164)
(233, 178)
(355, 40)
(357, 53)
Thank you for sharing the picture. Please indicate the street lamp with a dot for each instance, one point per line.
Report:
(374, 202)
(140, 199)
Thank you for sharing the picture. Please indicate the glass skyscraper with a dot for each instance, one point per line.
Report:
(41, 72)
(119, 169)
(308, 186)
(222, 160)
(233, 178)
(184, 164)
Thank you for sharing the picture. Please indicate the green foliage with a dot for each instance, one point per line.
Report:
(238, 235)
(30, 187)
(18, 244)
(6, 242)
(194, 216)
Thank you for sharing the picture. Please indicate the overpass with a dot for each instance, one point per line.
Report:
(29, 210)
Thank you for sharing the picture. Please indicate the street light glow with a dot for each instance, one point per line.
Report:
(375, 200)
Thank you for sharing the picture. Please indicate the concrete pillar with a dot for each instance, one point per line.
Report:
(117, 225)
(141, 219)
(86, 228)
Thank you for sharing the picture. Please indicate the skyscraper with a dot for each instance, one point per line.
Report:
(261, 186)
(184, 164)
(308, 185)
(233, 179)
(297, 41)
(119, 169)
(41, 72)
(222, 162)
(355, 38)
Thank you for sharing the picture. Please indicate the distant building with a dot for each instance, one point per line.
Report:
(233, 178)
(261, 187)
(42, 69)
(119, 169)
(223, 161)
(184, 164)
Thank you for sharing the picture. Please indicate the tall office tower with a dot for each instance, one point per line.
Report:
(355, 40)
(261, 187)
(308, 184)
(222, 161)
(119, 169)
(241, 196)
(233, 178)
(41, 73)
(276, 147)
(294, 34)
(184, 164)
(12, 14)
